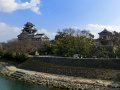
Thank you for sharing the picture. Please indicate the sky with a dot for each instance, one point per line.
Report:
(49, 16)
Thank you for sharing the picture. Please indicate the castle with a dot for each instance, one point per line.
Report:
(29, 32)
(108, 39)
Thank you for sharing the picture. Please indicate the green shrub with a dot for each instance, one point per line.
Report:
(16, 56)
(20, 57)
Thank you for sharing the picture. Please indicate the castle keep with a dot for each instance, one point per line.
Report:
(29, 32)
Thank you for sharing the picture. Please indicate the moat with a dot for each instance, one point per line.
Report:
(8, 84)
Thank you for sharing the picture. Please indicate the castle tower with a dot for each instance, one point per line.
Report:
(29, 33)
(29, 28)
(105, 38)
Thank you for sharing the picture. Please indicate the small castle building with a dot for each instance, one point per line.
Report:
(105, 38)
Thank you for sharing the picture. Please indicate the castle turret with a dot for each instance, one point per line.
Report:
(29, 28)
(105, 38)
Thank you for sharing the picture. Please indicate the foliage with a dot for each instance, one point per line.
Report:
(105, 52)
(44, 50)
(21, 57)
(67, 43)
(18, 50)
(117, 52)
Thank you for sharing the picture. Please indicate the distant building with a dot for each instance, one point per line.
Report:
(108, 40)
(29, 33)
(105, 38)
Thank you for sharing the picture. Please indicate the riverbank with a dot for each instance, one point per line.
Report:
(56, 81)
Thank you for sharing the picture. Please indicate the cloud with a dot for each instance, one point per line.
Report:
(96, 28)
(12, 5)
(8, 32)
(51, 35)
(101, 27)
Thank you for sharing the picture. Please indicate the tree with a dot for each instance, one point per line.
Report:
(43, 47)
(105, 52)
(18, 50)
(68, 43)
(117, 52)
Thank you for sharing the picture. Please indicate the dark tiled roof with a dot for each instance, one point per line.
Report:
(40, 34)
(105, 31)
(29, 24)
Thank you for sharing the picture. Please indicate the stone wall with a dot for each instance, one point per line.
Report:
(107, 63)
(86, 68)
(58, 81)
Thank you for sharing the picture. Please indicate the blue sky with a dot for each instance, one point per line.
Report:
(51, 15)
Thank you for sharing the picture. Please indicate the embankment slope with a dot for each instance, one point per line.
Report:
(93, 69)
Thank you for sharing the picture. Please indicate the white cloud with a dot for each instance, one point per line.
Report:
(12, 5)
(96, 28)
(51, 35)
(101, 27)
(8, 32)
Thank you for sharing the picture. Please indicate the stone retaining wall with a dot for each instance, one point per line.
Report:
(59, 81)
(106, 63)
(61, 66)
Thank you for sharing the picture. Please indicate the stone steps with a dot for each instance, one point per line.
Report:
(17, 75)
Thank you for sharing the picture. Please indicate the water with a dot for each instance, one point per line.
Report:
(7, 84)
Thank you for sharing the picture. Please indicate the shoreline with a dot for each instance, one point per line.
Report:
(56, 81)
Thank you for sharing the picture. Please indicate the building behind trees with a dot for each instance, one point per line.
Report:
(67, 42)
